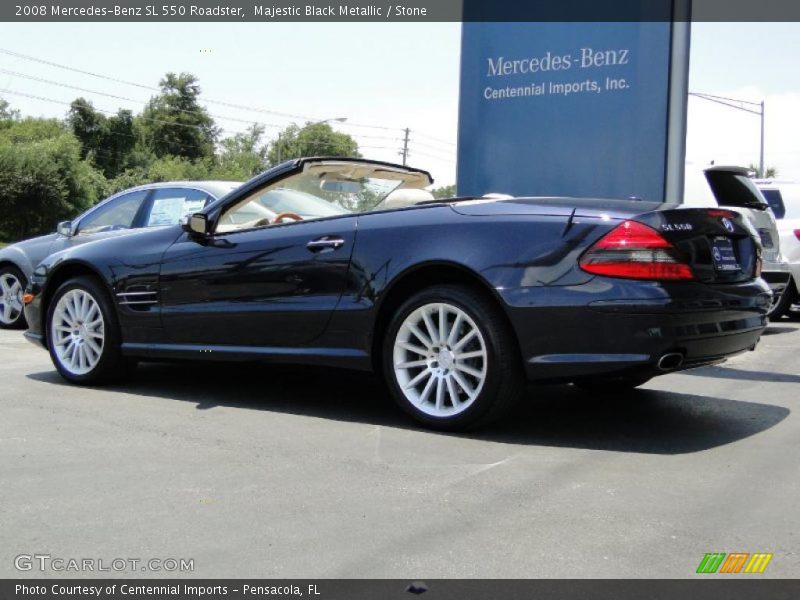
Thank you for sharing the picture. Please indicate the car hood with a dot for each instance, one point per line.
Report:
(42, 240)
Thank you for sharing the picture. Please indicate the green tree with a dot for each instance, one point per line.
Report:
(313, 139)
(446, 191)
(174, 124)
(244, 154)
(108, 142)
(7, 114)
(769, 172)
(43, 179)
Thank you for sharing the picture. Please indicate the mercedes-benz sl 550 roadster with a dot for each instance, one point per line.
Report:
(455, 302)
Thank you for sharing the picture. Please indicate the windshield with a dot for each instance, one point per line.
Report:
(315, 193)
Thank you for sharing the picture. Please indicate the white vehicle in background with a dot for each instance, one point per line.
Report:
(733, 189)
(784, 200)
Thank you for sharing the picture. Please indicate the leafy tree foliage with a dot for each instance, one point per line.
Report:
(446, 191)
(106, 141)
(52, 170)
(313, 139)
(43, 179)
(769, 172)
(244, 153)
(174, 124)
(7, 114)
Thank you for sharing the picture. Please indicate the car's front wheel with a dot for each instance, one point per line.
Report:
(450, 359)
(12, 286)
(83, 334)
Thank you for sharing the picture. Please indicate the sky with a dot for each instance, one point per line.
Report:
(383, 78)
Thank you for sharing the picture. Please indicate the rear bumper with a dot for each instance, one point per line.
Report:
(615, 327)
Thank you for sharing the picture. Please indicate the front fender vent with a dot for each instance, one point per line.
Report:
(139, 299)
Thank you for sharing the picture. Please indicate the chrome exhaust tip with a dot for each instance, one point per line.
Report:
(670, 361)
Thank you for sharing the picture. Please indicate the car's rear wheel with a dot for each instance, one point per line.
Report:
(12, 287)
(450, 359)
(83, 334)
(784, 303)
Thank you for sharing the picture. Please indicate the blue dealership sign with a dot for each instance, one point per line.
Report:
(569, 109)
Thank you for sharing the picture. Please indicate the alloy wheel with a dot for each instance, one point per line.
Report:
(10, 298)
(77, 332)
(440, 359)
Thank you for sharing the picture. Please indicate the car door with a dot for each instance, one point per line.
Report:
(265, 287)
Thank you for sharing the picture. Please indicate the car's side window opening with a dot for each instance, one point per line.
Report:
(118, 213)
(306, 196)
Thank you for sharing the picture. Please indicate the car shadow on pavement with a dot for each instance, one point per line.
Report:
(644, 421)
(743, 375)
(774, 330)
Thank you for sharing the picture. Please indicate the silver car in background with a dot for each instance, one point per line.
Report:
(150, 205)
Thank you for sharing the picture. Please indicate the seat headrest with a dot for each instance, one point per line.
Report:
(402, 197)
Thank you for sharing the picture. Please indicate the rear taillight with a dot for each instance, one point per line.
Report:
(635, 251)
(797, 233)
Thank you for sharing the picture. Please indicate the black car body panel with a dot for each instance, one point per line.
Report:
(262, 294)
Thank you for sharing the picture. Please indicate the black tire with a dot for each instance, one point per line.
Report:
(504, 381)
(606, 386)
(112, 365)
(18, 321)
(784, 303)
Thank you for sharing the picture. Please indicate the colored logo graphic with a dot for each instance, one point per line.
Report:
(735, 562)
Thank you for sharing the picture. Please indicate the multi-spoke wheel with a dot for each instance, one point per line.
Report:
(12, 285)
(440, 359)
(82, 333)
(77, 331)
(450, 358)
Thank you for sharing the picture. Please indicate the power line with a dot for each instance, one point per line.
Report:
(191, 112)
(431, 147)
(126, 99)
(143, 86)
(205, 100)
(111, 112)
(156, 89)
(436, 139)
(442, 158)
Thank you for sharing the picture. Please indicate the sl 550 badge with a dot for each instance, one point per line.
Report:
(677, 227)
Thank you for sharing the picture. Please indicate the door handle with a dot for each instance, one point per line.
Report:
(325, 244)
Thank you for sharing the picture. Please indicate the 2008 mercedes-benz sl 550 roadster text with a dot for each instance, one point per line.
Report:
(456, 302)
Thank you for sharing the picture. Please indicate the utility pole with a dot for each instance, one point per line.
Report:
(741, 105)
(404, 152)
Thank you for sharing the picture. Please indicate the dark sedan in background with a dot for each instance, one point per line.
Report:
(455, 302)
(149, 205)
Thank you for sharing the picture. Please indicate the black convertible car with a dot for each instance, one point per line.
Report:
(351, 263)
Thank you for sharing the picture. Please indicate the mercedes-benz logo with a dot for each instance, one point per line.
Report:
(728, 224)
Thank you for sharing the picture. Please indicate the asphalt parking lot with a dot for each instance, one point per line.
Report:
(257, 471)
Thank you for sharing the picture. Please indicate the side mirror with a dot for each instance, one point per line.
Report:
(65, 228)
(196, 224)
